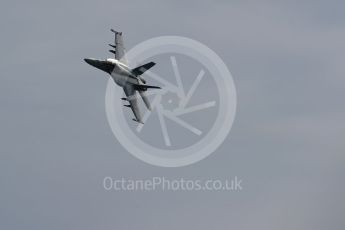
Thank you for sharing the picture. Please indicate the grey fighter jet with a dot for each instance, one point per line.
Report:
(129, 79)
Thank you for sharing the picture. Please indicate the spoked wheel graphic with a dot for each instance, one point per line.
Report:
(172, 104)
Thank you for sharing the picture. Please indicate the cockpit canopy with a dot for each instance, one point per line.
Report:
(112, 60)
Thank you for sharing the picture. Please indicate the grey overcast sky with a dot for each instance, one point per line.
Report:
(287, 142)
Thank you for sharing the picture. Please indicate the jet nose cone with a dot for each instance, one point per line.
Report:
(102, 65)
(88, 61)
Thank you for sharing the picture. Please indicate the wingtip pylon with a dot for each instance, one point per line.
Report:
(137, 121)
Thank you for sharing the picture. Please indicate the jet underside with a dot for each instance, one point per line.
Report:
(129, 79)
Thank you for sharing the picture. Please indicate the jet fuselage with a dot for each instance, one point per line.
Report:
(120, 72)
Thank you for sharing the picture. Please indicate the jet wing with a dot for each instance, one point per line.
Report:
(120, 51)
(133, 101)
(141, 69)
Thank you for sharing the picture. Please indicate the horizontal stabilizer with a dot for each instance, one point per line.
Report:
(116, 32)
(141, 69)
(145, 87)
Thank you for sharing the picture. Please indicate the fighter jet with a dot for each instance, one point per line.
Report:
(129, 79)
